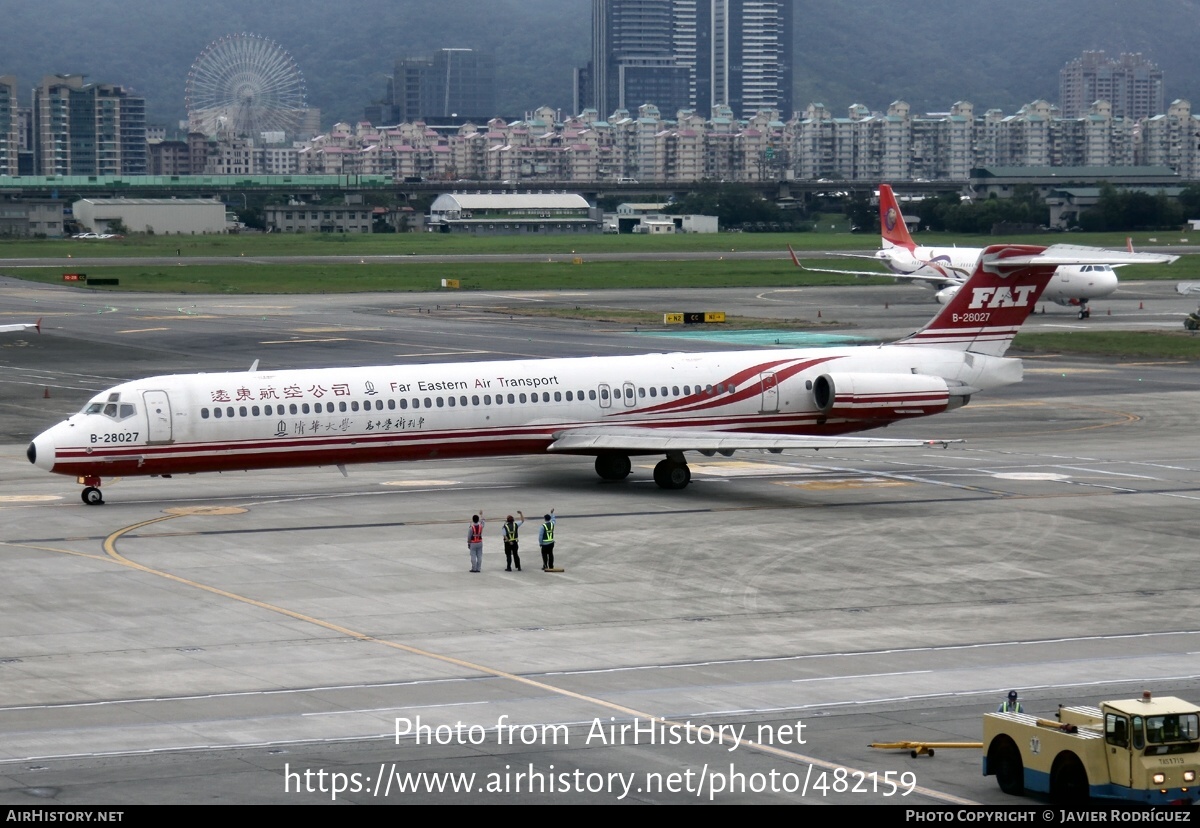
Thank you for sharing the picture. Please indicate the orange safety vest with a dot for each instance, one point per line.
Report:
(476, 533)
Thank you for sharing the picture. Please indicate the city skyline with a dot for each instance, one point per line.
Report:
(839, 58)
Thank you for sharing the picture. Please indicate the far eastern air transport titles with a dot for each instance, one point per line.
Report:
(609, 408)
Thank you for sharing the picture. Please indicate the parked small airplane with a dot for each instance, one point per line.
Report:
(23, 326)
(611, 408)
(945, 269)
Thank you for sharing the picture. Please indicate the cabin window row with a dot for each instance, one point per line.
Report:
(463, 401)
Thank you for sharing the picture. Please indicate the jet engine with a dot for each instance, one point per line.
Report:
(881, 396)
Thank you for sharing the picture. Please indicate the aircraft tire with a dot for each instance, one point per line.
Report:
(669, 474)
(92, 496)
(613, 466)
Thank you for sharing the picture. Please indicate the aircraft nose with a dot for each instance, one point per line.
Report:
(41, 452)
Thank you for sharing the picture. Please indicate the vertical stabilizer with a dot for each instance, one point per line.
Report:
(891, 221)
(985, 313)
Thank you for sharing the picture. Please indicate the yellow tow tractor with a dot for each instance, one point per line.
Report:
(1143, 750)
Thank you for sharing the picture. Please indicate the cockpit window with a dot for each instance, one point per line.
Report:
(115, 411)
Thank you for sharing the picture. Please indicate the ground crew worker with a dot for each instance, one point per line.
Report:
(509, 530)
(1012, 705)
(546, 542)
(475, 541)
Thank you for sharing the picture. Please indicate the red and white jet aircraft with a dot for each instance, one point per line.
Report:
(945, 269)
(23, 326)
(611, 408)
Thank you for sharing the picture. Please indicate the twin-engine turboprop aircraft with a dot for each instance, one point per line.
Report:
(945, 269)
(610, 408)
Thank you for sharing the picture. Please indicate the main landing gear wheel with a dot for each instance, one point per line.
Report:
(671, 474)
(92, 496)
(1085, 312)
(613, 466)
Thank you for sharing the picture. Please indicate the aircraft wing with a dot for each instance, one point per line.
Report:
(1075, 254)
(22, 327)
(938, 283)
(628, 439)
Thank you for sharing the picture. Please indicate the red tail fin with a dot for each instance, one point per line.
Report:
(985, 313)
(795, 258)
(891, 221)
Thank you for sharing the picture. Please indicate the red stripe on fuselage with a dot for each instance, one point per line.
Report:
(364, 448)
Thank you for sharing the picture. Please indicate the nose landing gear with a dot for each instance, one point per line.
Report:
(91, 494)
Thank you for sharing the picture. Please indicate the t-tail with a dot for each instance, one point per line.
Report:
(891, 221)
(986, 312)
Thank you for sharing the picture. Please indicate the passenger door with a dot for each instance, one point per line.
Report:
(158, 417)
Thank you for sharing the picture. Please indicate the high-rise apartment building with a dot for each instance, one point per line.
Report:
(451, 84)
(752, 55)
(9, 123)
(634, 60)
(1132, 84)
(689, 54)
(87, 128)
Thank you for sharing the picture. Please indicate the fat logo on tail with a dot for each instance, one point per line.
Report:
(986, 312)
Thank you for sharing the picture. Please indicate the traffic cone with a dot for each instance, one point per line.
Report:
(1141, 306)
(818, 314)
(45, 393)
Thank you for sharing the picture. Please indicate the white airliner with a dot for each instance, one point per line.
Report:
(945, 269)
(611, 408)
(24, 326)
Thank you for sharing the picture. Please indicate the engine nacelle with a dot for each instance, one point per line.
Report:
(946, 294)
(880, 396)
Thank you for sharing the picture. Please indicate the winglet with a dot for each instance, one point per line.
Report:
(795, 258)
(37, 326)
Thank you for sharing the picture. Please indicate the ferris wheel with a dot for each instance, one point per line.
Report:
(244, 85)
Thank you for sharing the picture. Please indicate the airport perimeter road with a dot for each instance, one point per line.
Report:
(301, 637)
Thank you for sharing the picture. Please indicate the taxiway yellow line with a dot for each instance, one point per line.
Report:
(110, 548)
